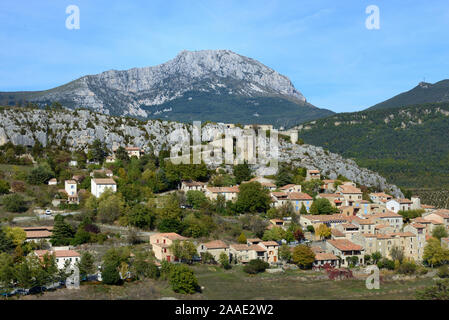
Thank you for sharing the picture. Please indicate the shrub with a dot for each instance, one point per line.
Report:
(256, 266)
(407, 267)
(4, 187)
(183, 280)
(110, 275)
(385, 264)
(15, 203)
(443, 272)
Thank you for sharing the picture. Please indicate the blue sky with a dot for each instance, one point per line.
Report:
(322, 46)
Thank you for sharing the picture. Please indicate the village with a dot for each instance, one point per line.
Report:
(335, 226)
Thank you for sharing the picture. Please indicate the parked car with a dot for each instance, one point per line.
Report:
(20, 291)
(36, 290)
(48, 212)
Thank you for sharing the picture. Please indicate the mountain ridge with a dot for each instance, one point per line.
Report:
(424, 92)
(192, 80)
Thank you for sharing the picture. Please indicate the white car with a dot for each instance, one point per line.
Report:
(48, 212)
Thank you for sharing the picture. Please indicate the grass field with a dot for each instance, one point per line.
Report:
(235, 284)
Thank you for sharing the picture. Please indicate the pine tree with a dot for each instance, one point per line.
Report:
(6, 244)
(242, 238)
(303, 209)
(62, 232)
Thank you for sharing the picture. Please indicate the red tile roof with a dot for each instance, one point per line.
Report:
(345, 245)
(216, 244)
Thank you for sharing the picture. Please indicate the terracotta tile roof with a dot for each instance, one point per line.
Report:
(324, 256)
(58, 253)
(349, 226)
(38, 234)
(345, 245)
(286, 187)
(239, 247)
(194, 183)
(386, 214)
(404, 201)
(330, 195)
(425, 206)
(337, 233)
(418, 226)
(132, 149)
(270, 243)
(442, 213)
(329, 181)
(172, 236)
(70, 181)
(299, 196)
(313, 171)
(349, 189)
(216, 244)
(104, 181)
(365, 222)
(257, 248)
(234, 189)
(403, 234)
(325, 218)
(316, 249)
(279, 195)
(254, 240)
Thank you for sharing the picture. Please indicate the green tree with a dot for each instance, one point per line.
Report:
(184, 251)
(86, 264)
(303, 210)
(110, 274)
(242, 238)
(322, 206)
(285, 253)
(196, 198)
(40, 175)
(434, 254)
(256, 266)
(141, 216)
(323, 231)
(4, 187)
(97, 151)
(439, 232)
(14, 203)
(6, 244)
(283, 177)
(62, 232)
(242, 172)
(303, 256)
(224, 261)
(397, 254)
(253, 198)
(183, 280)
(122, 155)
(376, 256)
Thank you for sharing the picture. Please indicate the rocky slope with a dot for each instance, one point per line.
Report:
(77, 129)
(216, 85)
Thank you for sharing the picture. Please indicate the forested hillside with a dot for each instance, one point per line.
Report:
(409, 146)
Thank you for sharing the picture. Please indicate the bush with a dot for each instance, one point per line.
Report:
(407, 267)
(110, 275)
(4, 187)
(183, 280)
(385, 264)
(39, 175)
(14, 203)
(443, 272)
(256, 266)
